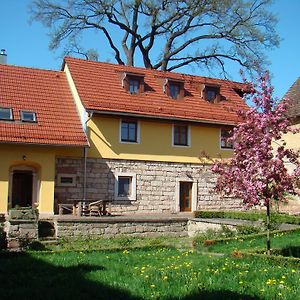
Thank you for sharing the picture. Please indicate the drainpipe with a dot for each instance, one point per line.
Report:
(85, 153)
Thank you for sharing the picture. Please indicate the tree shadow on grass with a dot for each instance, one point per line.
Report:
(25, 277)
(292, 251)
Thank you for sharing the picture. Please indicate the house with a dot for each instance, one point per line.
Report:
(135, 136)
(293, 95)
(147, 131)
(38, 122)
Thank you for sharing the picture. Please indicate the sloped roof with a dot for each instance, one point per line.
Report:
(47, 94)
(100, 89)
(293, 94)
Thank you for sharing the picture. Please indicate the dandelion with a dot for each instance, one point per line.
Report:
(152, 285)
(165, 277)
(293, 271)
(241, 282)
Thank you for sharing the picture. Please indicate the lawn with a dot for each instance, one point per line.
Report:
(148, 273)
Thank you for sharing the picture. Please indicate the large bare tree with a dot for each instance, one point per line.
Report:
(168, 34)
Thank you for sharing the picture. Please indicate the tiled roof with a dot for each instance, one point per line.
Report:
(100, 89)
(293, 94)
(47, 94)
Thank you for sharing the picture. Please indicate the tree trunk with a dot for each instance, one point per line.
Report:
(268, 229)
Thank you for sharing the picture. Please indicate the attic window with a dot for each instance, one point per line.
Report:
(211, 93)
(133, 83)
(174, 89)
(6, 113)
(28, 116)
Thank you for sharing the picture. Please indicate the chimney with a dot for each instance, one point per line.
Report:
(3, 57)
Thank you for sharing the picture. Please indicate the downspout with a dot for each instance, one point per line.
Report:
(85, 153)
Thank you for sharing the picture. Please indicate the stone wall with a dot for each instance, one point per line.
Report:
(157, 185)
(111, 227)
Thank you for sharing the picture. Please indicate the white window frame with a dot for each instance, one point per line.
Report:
(220, 140)
(22, 112)
(138, 132)
(131, 197)
(194, 193)
(10, 114)
(189, 143)
(66, 184)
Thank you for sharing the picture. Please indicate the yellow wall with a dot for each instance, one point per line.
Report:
(155, 141)
(42, 158)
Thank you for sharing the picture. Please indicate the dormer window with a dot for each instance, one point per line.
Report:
(211, 93)
(133, 83)
(6, 113)
(174, 89)
(28, 116)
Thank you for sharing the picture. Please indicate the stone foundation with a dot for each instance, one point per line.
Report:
(157, 185)
(111, 227)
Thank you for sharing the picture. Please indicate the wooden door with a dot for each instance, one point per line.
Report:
(186, 196)
(22, 188)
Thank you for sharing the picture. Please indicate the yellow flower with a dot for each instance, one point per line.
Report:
(293, 271)
(165, 278)
(152, 285)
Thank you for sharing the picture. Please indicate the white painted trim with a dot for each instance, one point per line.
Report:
(189, 139)
(132, 197)
(220, 142)
(60, 175)
(194, 193)
(79, 106)
(138, 133)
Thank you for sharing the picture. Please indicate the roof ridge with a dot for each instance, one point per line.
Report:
(143, 69)
(29, 68)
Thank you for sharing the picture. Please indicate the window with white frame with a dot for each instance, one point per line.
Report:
(66, 180)
(181, 135)
(6, 113)
(28, 116)
(125, 186)
(129, 131)
(226, 142)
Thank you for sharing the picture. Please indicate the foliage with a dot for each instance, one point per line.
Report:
(166, 34)
(257, 172)
(248, 215)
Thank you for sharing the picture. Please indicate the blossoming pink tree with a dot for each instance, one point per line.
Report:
(257, 172)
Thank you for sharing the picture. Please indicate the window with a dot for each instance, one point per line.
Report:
(125, 186)
(225, 135)
(181, 135)
(28, 116)
(6, 113)
(174, 90)
(129, 131)
(211, 93)
(134, 86)
(133, 83)
(66, 180)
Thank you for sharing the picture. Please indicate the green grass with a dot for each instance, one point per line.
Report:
(253, 243)
(157, 273)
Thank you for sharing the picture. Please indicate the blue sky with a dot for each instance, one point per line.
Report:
(27, 44)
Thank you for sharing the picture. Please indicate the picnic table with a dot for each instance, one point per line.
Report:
(87, 207)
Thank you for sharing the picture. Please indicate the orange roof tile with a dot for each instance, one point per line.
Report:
(100, 89)
(48, 95)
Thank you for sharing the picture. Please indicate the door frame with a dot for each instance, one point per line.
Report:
(194, 193)
(35, 183)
